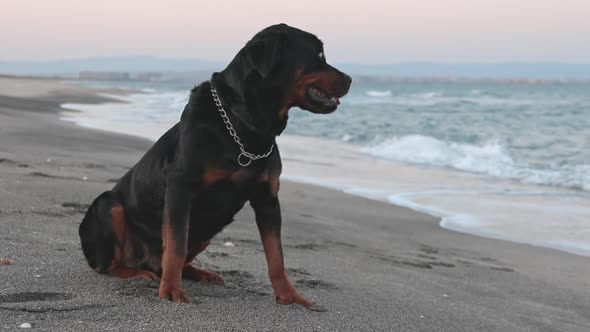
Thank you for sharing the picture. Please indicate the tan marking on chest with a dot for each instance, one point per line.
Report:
(241, 176)
(214, 175)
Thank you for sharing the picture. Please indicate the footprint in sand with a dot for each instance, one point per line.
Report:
(7, 161)
(93, 166)
(77, 207)
(316, 284)
(298, 272)
(216, 254)
(35, 297)
(419, 263)
(485, 262)
(308, 246)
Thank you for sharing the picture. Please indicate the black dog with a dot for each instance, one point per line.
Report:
(222, 153)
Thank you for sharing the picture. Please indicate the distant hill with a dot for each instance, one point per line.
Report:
(71, 67)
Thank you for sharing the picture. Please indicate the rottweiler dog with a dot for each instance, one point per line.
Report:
(190, 184)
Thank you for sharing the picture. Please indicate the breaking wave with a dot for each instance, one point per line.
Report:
(490, 158)
(377, 93)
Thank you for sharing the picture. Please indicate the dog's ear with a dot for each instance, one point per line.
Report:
(264, 53)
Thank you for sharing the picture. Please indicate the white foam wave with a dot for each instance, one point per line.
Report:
(144, 115)
(428, 95)
(377, 93)
(490, 158)
(419, 149)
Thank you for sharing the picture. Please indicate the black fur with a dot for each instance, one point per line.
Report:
(171, 176)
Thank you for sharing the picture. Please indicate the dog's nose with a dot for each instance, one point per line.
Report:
(347, 82)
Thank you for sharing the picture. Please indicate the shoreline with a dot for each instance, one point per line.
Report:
(373, 265)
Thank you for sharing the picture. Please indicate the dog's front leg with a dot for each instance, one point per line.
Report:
(174, 242)
(268, 218)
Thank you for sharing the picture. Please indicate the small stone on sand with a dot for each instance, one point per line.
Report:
(25, 326)
(229, 244)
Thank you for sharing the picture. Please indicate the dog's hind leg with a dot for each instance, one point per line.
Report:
(191, 272)
(103, 237)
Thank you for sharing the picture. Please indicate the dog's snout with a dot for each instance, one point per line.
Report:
(348, 79)
(346, 82)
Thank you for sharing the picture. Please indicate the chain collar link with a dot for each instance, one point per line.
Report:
(244, 155)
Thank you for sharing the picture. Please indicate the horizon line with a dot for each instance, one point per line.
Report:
(347, 62)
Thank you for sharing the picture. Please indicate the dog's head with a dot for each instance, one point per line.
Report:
(282, 67)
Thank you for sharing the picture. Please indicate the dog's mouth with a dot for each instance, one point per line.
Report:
(321, 100)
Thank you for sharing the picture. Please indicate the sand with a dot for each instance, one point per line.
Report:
(373, 266)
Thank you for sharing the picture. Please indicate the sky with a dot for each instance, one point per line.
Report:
(367, 31)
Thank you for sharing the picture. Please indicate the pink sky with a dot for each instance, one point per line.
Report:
(366, 31)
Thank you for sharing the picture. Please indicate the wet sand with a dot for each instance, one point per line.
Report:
(373, 266)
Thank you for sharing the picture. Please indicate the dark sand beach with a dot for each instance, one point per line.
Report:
(373, 266)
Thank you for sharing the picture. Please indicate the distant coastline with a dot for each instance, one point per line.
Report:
(420, 71)
(156, 76)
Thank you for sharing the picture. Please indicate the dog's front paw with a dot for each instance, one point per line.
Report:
(287, 294)
(298, 299)
(293, 298)
(175, 294)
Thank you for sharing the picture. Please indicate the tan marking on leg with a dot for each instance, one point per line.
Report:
(172, 264)
(119, 228)
(275, 184)
(284, 290)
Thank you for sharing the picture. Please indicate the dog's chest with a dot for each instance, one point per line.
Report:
(224, 193)
(218, 202)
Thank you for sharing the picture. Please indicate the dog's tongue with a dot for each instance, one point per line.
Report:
(335, 100)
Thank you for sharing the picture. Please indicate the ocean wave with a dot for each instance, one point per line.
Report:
(377, 93)
(490, 158)
(428, 95)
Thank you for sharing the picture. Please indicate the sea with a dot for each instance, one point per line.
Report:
(505, 159)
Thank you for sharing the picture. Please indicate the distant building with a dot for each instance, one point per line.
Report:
(104, 76)
(119, 76)
(147, 76)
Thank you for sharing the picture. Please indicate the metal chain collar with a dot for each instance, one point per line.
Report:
(230, 128)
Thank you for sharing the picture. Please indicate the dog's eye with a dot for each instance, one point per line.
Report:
(321, 55)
